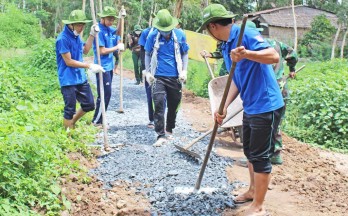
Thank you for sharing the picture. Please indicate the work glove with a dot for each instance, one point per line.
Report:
(122, 13)
(150, 78)
(144, 72)
(183, 76)
(120, 46)
(95, 68)
(94, 30)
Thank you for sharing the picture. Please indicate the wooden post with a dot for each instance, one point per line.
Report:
(121, 61)
(101, 85)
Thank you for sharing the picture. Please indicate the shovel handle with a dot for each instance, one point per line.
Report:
(208, 132)
(209, 68)
(222, 104)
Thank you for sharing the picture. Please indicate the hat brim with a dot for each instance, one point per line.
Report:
(167, 28)
(204, 25)
(101, 15)
(72, 22)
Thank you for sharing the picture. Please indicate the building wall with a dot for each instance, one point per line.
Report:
(285, 35)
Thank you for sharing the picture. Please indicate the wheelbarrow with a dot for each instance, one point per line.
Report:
(215, 90)
(233, 118)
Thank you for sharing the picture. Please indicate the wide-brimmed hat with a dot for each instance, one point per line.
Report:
(137, 28)
(164, 21)
(108, 12)
(76, 16)
(251, 24)
(214, 12)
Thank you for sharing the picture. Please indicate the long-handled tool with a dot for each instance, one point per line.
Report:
(209, 68)
(123, 14)
(101, 85)
(222, 104)
(185, 148)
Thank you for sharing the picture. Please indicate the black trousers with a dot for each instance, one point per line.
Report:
(259, 133)
(166, 89)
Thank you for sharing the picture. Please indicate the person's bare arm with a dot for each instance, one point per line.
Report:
(73, 63)
(88, 44)
(265, 56)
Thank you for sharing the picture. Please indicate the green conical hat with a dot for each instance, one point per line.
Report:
(77, 16)
(108, 11)
(164, 21)
(215, 12)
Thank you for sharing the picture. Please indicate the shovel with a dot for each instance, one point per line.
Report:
(185, 148)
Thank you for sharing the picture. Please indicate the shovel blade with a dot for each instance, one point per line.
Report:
(191, 153)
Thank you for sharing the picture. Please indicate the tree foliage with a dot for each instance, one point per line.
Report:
(18, 29)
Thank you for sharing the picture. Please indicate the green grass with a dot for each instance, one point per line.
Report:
(33, 142)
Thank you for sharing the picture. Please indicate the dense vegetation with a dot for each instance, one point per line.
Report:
(318, 109)
(33, 143)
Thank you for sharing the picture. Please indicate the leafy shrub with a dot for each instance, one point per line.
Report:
(18, 29)
(318, 110)
(198, 78)
(44, 55)
(316, 43)
(33, 143)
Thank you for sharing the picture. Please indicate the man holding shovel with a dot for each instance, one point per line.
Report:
(166, 61)
(107, 40)
(288, 54)
(262, 100)
(71, 74)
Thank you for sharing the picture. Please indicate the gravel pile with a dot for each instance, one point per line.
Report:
(158, 171)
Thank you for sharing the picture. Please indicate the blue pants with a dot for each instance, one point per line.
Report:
(259, 133)
(82, 93)
(107, 80)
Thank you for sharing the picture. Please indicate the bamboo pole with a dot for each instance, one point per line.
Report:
(101, 85)
(123, 14)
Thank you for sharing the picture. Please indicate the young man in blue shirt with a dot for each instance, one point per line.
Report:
(142, 41)
(107, 38)
(72, 78)
(254, 80)
(166, 61)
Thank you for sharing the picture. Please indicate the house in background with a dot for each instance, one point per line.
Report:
(278, 23)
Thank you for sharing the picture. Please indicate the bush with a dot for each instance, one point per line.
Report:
(18, 29)
(33, 143)
(318, 111)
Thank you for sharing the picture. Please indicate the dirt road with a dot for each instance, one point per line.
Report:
(310, 182)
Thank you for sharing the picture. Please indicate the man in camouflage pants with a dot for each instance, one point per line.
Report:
(288, 54)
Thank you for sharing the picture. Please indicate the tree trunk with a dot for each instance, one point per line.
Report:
(295, 24)
(100, 6)
(178, 7)
(204, 3)
(24, 5)
(84, 10)
(335, 41)
(153, 10)
(141, 11)
(344, 43)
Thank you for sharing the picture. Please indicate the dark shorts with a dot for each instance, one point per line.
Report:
(259, 133)
(81, 93)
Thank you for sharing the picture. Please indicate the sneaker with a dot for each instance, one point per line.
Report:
(151, 125)
(276, 159)
(160, 141)
(169, 135)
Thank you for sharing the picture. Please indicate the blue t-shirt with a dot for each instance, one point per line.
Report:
(256, 82)
(107, 38)
(67, 42)
(166, 65)
(143, 36)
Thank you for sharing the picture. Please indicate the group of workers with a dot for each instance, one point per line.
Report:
(160, 56)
